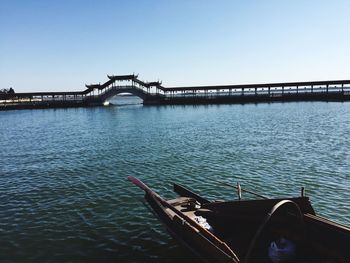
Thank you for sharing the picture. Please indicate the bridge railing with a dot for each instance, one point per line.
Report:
(275, 91)
(42, 97)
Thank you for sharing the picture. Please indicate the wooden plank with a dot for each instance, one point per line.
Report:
(182, 191)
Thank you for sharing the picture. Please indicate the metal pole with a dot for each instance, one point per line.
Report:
(239, 191)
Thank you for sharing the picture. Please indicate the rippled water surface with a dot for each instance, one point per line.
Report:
(63, 188)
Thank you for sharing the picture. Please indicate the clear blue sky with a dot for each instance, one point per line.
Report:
(61, 45)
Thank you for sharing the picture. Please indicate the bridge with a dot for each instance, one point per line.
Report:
(155, 93)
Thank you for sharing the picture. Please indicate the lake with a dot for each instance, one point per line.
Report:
(63, 188)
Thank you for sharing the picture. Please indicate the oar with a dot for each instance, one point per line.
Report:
(241, 189)
(140, 184)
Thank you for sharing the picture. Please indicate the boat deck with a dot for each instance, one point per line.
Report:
(186, 205)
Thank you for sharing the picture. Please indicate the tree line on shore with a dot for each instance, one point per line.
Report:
(7, 91)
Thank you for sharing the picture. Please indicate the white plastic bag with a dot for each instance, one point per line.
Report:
(282, 250)
(203, 223)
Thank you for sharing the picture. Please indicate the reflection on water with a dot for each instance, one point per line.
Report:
(63, 188)
(125, 100)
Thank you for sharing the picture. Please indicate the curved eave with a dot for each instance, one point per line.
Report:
(93, 86)
(122, 77)
(154, 83)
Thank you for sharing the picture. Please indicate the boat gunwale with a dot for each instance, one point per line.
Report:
(169, 223)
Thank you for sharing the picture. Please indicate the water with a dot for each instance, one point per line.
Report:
(63, 188)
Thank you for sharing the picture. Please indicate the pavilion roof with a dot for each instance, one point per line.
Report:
(122, 77)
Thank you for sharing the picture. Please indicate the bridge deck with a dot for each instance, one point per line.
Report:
(155, 93)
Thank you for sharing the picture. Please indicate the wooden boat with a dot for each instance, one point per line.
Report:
(244, 230)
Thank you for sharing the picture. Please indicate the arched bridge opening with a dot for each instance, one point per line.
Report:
(125, 97)
(117, 91)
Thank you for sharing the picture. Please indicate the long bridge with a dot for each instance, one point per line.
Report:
(154, 93)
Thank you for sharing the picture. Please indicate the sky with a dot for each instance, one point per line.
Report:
(63, 45)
